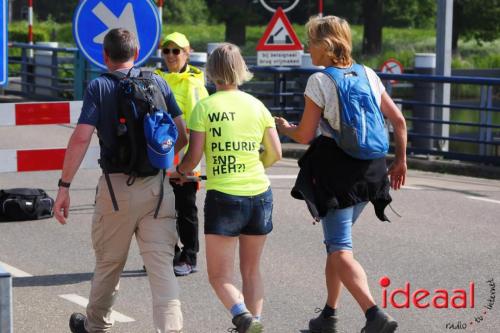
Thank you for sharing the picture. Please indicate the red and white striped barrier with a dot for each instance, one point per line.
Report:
(46, 113)
(42, 159)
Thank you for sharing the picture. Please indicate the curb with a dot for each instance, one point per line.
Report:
(422, 163)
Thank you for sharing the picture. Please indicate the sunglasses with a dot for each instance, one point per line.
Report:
(174, 51)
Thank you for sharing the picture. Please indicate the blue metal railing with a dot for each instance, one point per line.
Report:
(474, 110)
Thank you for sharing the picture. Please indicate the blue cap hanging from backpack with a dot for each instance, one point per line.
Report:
(161, 135)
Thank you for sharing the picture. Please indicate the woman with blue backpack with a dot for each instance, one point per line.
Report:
(345, 167)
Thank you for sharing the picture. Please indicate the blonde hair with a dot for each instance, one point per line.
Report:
(334, 34)
(226, 66)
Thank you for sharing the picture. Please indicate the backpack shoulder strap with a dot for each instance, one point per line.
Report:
(338, 74)
(146, 74)
(117, 76)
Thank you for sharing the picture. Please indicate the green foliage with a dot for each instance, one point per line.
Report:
(478, 20)
(186, 12)
(198, 35)
(409, 13)
(18, 31)
(398, 43)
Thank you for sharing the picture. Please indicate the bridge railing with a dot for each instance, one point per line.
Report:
(474, 108)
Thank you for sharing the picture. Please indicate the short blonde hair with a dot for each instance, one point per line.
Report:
(334, 34)
(226, 66)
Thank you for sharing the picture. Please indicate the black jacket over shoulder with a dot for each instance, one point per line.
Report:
(329, 178)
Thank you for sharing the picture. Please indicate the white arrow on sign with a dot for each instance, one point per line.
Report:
(126, 20)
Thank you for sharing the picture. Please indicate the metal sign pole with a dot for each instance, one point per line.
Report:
(160, 13)
(443, 67)
(5, 302)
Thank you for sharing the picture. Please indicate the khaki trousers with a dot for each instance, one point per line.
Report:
(112, 234)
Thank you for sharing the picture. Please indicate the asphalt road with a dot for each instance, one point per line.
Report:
(448, 236)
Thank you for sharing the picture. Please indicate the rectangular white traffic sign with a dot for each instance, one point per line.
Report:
(279, 58)
(4, 17)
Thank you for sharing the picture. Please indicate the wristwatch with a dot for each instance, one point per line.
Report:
(63, 184)
(179, 171)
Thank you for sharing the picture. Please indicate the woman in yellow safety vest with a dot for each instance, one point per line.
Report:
(188, 85)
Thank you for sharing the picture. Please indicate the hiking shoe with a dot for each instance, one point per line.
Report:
(321, 324)
(382, 323)
(182, 269)
(77, 323)
(245, 323)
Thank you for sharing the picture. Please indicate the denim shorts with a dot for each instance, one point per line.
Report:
(232, 215)
(337, 227)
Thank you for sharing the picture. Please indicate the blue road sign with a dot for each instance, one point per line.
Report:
(4, 51)
(94, 18)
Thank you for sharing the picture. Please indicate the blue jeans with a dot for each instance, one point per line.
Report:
(337, 227)
(232, 215)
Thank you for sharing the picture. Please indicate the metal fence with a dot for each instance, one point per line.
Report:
(473, 125)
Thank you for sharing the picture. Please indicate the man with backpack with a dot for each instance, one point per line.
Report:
(129, 108)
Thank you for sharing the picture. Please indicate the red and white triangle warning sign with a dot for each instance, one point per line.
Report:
(279, 35)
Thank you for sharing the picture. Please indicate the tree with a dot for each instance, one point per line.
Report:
(475, 19)
(235, 14)
(186, 11)
(410, 13)
(373, 23)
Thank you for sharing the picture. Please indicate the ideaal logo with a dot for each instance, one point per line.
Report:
(421, 298)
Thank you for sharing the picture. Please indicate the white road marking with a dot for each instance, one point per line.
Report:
(482, 199)
(408, 187)
(282, 176)
(14, 271)
(287, 162)
(82, 301)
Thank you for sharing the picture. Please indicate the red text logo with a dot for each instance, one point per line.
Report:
(421, 298)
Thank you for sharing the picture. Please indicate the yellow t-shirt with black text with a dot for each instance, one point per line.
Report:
(234, 123)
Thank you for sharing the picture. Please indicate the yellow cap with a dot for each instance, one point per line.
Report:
(177, 38)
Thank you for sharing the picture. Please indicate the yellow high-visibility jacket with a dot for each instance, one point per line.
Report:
(188, 88)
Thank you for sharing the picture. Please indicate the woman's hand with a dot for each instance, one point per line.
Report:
(176, 178)
(282, 125)
(397, 173)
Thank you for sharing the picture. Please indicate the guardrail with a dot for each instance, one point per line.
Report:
(474, 124)
(5, 301)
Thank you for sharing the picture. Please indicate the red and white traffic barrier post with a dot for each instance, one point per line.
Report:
(47, 113)
(30, 27)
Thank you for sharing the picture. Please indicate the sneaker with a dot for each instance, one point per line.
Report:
(77, 323)
(182, 269)
(245, 323)
(321, 324)
(382, 323)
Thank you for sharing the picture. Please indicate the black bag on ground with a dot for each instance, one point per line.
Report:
(18, 204)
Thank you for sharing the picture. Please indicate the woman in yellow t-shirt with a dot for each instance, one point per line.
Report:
(188, 85)
(229, 127)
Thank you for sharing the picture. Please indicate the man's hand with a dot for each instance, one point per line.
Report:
(61, 205)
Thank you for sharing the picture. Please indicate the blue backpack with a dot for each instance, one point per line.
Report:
(362, 132)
